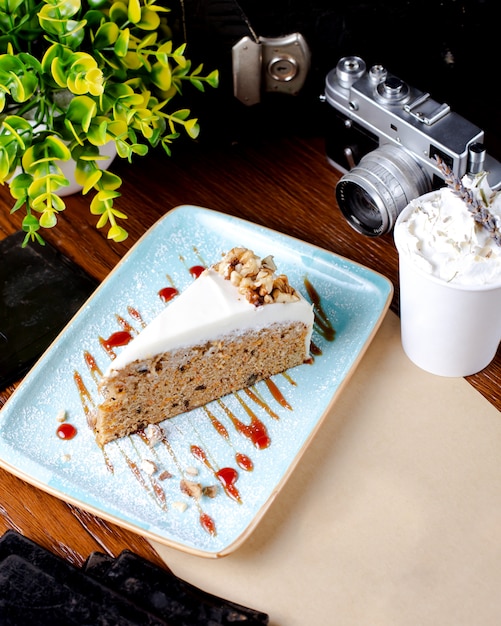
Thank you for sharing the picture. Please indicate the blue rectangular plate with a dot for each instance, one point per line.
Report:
(247, 444)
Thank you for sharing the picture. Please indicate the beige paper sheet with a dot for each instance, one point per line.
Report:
(392, 517)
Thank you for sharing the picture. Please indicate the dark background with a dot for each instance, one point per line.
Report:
(449, 48)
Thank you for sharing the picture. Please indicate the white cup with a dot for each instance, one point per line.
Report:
(447, 328)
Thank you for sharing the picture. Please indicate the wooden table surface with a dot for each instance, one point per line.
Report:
(282, 183)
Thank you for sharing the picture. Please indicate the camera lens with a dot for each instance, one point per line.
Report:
(374, 192)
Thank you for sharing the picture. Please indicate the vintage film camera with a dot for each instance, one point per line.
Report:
(384, 135)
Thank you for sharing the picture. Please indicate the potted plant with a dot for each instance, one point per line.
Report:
(79, 75)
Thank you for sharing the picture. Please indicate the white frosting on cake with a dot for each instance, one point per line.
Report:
(209, 308)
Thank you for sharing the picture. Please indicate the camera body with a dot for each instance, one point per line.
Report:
(384, 135)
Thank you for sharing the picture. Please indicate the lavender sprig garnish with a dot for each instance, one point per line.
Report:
(480, 213)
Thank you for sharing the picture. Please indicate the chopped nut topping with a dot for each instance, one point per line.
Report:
(148, 466)
(194, 490)
(154, 433)
(210, 491)
(180, 506)
(255, 278)
(61, 416)
(91, 419)
(164, 475)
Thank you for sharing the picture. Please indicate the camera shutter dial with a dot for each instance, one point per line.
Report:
(349, 70)
(377, 73)
(393, 89)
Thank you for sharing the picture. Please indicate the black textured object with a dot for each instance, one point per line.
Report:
(29, 595)
(51, 588)
(98, 564)
(40, 291)
(41, 589)
(159, 591)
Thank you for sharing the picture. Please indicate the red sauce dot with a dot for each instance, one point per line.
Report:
(66, 431)
(167, 293)
(261, 442)
(196, 270)
(259, 436)
(120, 338)
(227, 475)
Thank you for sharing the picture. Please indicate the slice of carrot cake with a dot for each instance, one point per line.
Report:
(239, 322)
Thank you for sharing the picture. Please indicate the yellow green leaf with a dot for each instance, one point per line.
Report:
(48, 219)
(192, 128)
(117, 233)
(134, 11)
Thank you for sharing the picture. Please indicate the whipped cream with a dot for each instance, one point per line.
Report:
(440, 234)
(210, 307)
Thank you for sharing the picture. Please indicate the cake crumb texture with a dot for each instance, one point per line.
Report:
(150, 391)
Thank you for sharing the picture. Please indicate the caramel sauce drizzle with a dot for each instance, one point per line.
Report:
(165, 442)
(107, 461)
(323, 324)
(142, 435)
(124, 325)
(157, 489)
(153, 489)
(136, 316)
(242, 459)
(289, 378)
(277, 394)
(85, 397)
(200, 257)
(219, 426)
(256, 397)
(255, 431)
(93, 367)
(314, 349)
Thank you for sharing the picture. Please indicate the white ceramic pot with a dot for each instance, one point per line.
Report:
(68, 169)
